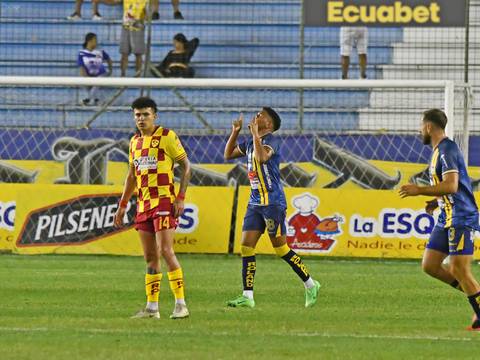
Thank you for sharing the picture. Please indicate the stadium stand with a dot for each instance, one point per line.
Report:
(240, 39)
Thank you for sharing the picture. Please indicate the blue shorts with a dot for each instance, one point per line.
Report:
(452, 241)
(271, 217)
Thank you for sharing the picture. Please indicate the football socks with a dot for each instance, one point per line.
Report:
(249, 266)
(294, 261)
(175, 278)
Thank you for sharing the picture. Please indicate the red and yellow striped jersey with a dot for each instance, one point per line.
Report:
(153, 158)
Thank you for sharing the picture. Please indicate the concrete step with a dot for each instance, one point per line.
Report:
(258, 11)
(332, 99)
(202, 70)
(224, 32)
(206, 53)
(76, 117)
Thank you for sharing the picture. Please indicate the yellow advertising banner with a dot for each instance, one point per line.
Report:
(353, 223)
(78, 219)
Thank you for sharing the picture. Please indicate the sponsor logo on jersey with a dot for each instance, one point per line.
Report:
(145, 163)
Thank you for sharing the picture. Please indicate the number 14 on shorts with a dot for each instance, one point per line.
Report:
(165, 222)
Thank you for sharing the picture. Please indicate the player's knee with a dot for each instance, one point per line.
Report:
(168, 252)
(151, 258)
(429, 268)
(246, 251)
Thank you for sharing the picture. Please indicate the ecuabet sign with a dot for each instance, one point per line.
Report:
(438, 13)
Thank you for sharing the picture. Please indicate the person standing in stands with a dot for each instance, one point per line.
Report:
(77, 14)
(92, 64)
(132, 38)
(350, 37)
(177, 15)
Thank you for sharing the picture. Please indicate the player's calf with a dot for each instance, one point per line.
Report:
(311, 286)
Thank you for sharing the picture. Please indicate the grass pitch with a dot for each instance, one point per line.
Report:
(78, 307)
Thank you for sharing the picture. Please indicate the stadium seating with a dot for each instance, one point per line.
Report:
(239, 39)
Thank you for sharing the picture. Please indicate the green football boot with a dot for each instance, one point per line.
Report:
(311, 294)
(241, 301)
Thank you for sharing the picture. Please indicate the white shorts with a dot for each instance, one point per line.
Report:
(353, 36)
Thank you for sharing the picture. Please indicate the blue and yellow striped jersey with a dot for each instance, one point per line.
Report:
(265, 182)
(457, 209)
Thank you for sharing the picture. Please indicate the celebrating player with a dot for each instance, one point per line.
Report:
(153, 151)
(267, 205)
(454, 231)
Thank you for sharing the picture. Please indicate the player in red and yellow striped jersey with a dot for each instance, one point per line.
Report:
(152, 154)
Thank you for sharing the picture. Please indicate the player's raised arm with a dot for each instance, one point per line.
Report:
(232, 150)
(262, 153)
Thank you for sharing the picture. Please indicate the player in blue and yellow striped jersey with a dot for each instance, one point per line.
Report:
(458, 219)
(267, 205)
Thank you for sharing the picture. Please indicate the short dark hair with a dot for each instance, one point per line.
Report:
(181, 38)
(144, 102)
(436, 116)
(274, 116)
(89, 37)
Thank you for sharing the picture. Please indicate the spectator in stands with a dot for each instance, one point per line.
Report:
(176, 63)
(77, 14)
(132, 38)
(176, 10)
(92, 63)
(349, 37)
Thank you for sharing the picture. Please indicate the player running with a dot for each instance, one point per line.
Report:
(153, 151)
(267, 204)
(454, 231)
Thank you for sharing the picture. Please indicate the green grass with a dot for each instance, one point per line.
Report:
(78, 307)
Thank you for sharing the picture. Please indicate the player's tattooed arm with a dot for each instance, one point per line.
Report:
(231, 148)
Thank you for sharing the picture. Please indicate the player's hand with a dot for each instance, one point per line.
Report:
(237, 124)
(409, 190)
(118, 220)
(253, 126)
(178, 207)
(430, 206)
